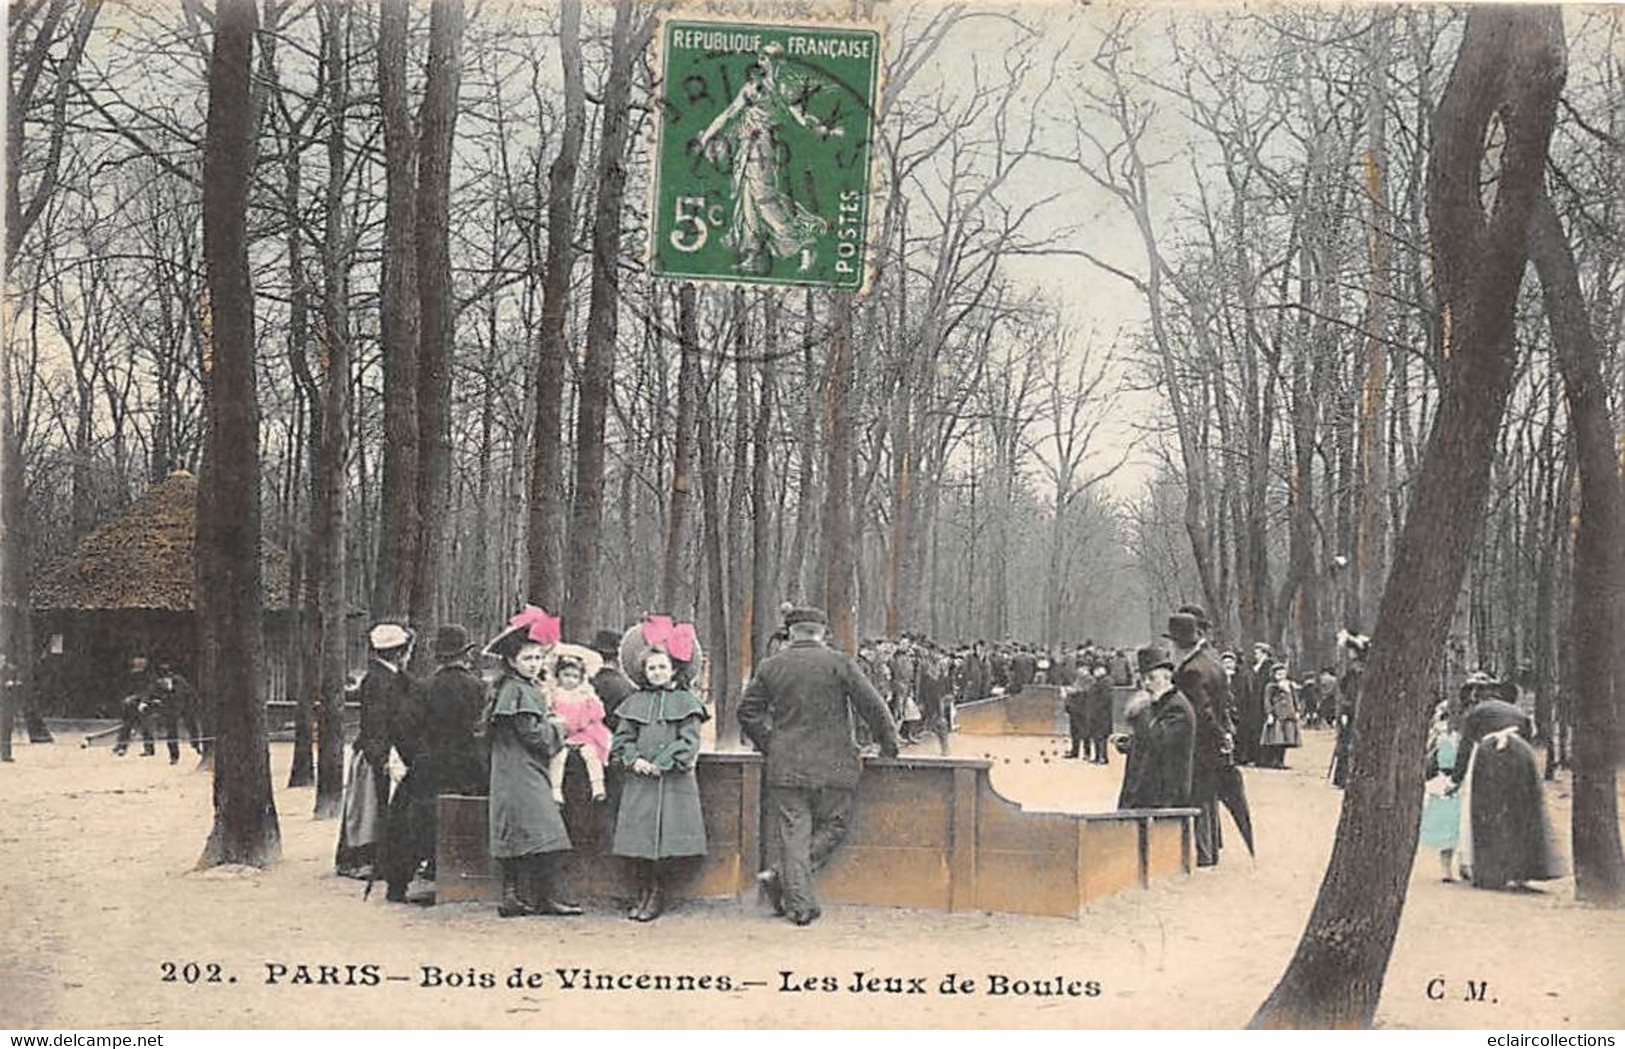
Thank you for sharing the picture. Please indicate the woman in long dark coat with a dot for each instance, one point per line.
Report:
(384, 691)
(527, 832)
(657, 745)
(1506, 837)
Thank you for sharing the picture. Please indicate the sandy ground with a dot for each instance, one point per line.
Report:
(97, 854)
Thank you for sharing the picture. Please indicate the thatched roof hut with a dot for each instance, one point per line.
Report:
(143, 559)
(126, 589)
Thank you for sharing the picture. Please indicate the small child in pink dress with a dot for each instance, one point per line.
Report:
(575, 702)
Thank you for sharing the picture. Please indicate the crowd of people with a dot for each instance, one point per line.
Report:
(627, 706)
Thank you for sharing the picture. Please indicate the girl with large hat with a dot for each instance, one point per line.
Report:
(527, 832)
(657, 743)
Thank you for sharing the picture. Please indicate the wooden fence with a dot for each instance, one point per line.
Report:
(929, 833)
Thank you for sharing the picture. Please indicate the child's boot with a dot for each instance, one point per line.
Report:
(655, 902)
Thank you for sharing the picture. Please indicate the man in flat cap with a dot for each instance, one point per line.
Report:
(798, 710)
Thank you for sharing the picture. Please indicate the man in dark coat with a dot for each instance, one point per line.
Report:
(1200, 677)
(1076, 702)
(975, 683)
(798, 711)
(133, 708)
(1023, 668)
(1247, 695)
(1162, 731)
(611, 683)
(1098, 715)
(1358, 647)
(172, 700)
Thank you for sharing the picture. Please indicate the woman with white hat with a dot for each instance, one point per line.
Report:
(366, 791)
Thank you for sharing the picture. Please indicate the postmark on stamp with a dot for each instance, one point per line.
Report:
(762, 155)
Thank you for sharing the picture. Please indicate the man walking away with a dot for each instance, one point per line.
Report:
(798, 710)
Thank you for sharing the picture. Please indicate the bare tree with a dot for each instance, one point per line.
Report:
(229, 599)
(1509, 68)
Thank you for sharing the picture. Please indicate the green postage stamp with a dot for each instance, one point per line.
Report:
(762, 157)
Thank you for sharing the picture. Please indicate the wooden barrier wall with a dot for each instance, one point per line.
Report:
(929, 833)
(1037, 710)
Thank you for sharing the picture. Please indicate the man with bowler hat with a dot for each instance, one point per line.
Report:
(1200, 677)
(798, 710)
(1162, 732)
(611, 683)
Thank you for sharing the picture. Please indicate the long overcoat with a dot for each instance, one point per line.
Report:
(1098, 708)
(1504, 809)
(660, 816)
(450, 761)
(1158, 773)
(524, 819)
(1203, 681)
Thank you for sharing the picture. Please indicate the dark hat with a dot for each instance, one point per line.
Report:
(1150, 657)
(606, 643)
(1196, 612)
(806, 614)
(451, 641)
(1183, 629)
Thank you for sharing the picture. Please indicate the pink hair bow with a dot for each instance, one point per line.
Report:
(676, 638)
(543, 628)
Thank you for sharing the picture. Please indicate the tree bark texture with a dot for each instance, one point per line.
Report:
(437, 127)
(1598, 610)
(328, 561)
(400, 524)
(840, 563)
(228, 596)
(545, 494)
(598, 367)
(1511, 63)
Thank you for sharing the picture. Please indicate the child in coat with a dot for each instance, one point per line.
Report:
(576, 703)
(657, 742)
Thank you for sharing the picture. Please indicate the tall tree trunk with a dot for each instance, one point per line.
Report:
(400, 524)
(228, 597)
(598, 367)
(806, 504)
(1510, 61)
(841, 544)
(762, 600)
(437, 127)
(1371, 516)
(328, 561)
(1598, 617)
(716, 586)
(545, 491)
(301, 770)
(673, 594)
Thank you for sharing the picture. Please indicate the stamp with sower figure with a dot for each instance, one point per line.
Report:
(763, 151)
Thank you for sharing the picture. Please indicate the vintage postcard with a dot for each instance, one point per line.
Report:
(584, 514)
